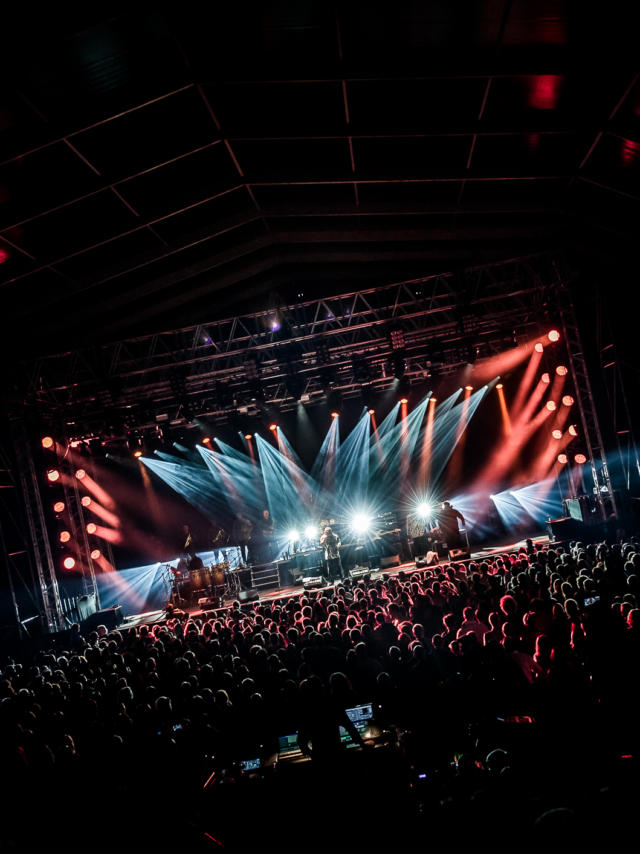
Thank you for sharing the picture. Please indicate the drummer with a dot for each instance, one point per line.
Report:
(193, 561)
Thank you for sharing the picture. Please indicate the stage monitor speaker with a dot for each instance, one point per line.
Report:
(250, 595)
(313, 581)
(389, 560)
(565, 529)
(459, 554)
(109, 617)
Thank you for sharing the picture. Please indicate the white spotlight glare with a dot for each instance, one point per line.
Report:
(293, 536)
(423, 510)
(311, 532)
(361, 523)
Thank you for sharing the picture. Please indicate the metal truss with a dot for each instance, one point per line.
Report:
(52, 612)
(447, 321)
(592, 434)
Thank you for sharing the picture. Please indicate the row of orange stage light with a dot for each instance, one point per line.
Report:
(59, 508)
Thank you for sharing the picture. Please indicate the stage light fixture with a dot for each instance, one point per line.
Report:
(398, 365)
(468, 388)
(64, 537)
(360, 523)
(80, 474)
(499, 386)
(568, 400)
(573, 430)
(423, 510)
(545, 378)
(404, 400)
(311, 532)
(273, 427)
(85, 501)
(580, 459)
(95, 554)
(248, 436)
(53, 475)
(47, 443)
(58, 507)
(539, 347)
(69, 562)
(137, 453)
(557, 434)
(563, 459)
(293, 536)
(553, 335)
(91, 528)
(551, 405)
(335, 414)
(206, 441)
(397, 338)
(371, 411)
(562, 370)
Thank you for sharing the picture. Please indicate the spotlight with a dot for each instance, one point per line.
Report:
(360, 523)
(433, 400)
(539, 347)
(95, 554)
(91, 528)
(563, 459)
(546, 379)
(80, 474)
(372, 411)
(551, 405)
(499, 385)
(248, 437)
(68, 563)
(137, 453)
(580, 459)
(404, 400)
(468, 388)
(553, 335)
(568, 400)
(47, 442)
(311, 532)
(573, 430)
(64, 537)
(58, 507)
(206, 441)
(335, 414)
(562, 370)
(557, 434)
(85, 501)
(423, 510)
(53, 475)
(293, 536)
(273, 427)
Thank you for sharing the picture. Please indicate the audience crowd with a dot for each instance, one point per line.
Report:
(508, 688)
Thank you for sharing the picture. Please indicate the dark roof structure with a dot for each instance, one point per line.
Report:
(173, 167)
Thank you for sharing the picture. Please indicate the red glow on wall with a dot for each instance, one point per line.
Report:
(544, 91)
(4, 255)
(629, 152)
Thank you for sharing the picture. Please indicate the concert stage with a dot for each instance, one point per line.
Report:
(488, 552)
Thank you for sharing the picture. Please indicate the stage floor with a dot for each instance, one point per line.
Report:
(286, 592)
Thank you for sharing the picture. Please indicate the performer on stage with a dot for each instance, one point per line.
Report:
(262, 550)
(448, 523)
(331, 544)
(242, 534)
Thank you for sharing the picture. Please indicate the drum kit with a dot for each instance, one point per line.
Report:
(218, 580)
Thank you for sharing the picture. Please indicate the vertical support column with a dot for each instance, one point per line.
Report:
(584, 397)
(41, 547)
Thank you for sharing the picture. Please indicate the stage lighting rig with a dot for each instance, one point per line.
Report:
(424, 510)
(334, 402)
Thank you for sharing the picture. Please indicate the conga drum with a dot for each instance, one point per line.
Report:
(217, 575)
